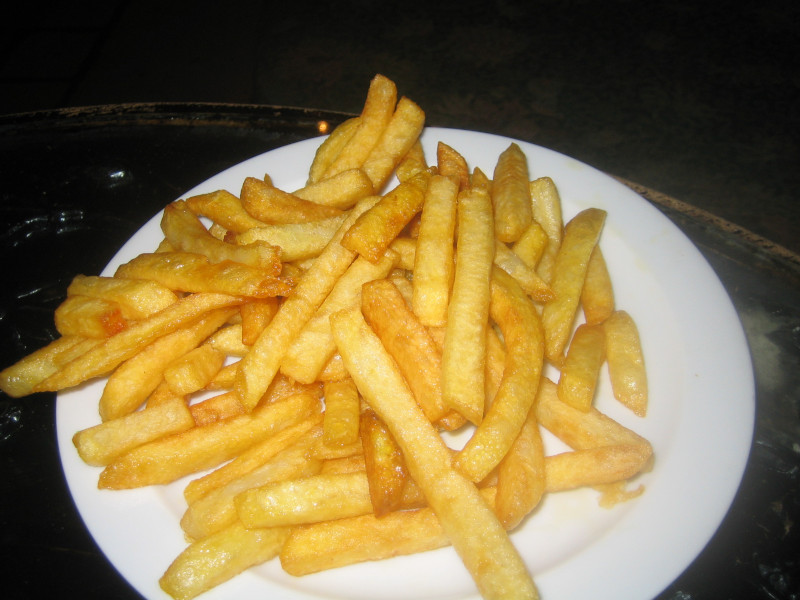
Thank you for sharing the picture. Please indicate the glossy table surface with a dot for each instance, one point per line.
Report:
(76, 184)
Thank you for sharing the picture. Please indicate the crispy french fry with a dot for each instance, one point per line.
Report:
(257, 369)
(511, 196)
(228, 339)
(217, 558)
(330, 148)
(597, 296)
(341, 191)
(194, 370)
(547, 213)
(581, 368)
(255, 317)
(136, 299)
(384, 464)
(434, 263)
(518, 320)
(580, 237)
(101, 444)
(224, 209)
(269, 204)
(297, 241)
(527, 277)
(413, 163)
(170, 458)
(464, 354)
(85, 316)
(216, 408)
(342, 411)
(468, 521)
(452, 164)
(531, 245)
(626, 362)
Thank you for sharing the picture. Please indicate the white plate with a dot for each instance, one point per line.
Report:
(700, 421)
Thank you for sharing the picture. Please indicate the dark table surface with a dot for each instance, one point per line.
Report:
(76, 184)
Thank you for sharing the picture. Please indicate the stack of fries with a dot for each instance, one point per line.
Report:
(300, 353)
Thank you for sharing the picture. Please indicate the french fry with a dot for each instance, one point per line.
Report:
(137, 299)
(342, 412)
(258, 368)
(400, 134)
(464, 354)
(531, 245)
(450, 163)
(548, 214)
(384, 464)
(269, 204)
(374, 230)
(511, 196)
(597, 296)
(580, 237)
(224, 209)
(85, 316)
(228, 339)
(217, 558)
(215, 408)
(135, 379)
(434, 263)
(468, 521)
(413, 163)
(255, 317)
(330, 148)
(341, 191)
(297, 241)
(581, 368)
(194, 370)
(195, 273)
(626, 362)
(170, 458)
(186, 233)
(518, 320)
(105, 357)
(511, 263)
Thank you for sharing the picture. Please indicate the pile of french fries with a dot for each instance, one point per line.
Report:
(297, 356)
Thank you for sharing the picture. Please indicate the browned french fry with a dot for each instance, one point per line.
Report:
(452, 164)
(511, 196)
(384, 464)
(581, 368)
(626, 362)
(413, 163)
(85, 316)
(597, 296)
(341, 191)
(342, 411)
(136, 299)
(194, 370)
(269, 204)
(255, 316)
(330, 148)
(224, 209)
(297, 241)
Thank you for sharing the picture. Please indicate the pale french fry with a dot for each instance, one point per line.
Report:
(511, 196)
(374, 230)
(342, 410)
(195, 273)
(409, 343)
(106, 356)
(314, 346)
(597, 296)
(595, 466)
(341, 191)
(626, 362)
(580, 237)
(527, 277)
(468, 521)
(194, 370)
(400, 134)
(85, 316)
(224, 209)
(531, 245)
(135, 379)
(137, 299)
(464, 355)
(581, 368)
(434, 262)
(255, 317)
(547, 213)
(186, 233)
(258, 368)
(297, 241)
(384, 465)
(450, 163)
(170, 458)
(518, 320)
(375, 116)
(217, 558)
(330, 148)
(101, 444)
(269, 204)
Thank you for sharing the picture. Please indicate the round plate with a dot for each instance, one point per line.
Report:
(700, 421)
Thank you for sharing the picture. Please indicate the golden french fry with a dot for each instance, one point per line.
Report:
(85, 316)
(313, 347)
(626, 362)
(220, 557)
(581, 368)
(452, 164)
(597, 297)
(330, 148)
(374, 230)
(269, 204)
(224, 209)
(341, 191)
(511, 196)
(385, 468)
(106, 356)
(434, 262)
(413, 163)
(228, 339)
(468, 521)
(186, 233)
(258, 368)
(408, 342)
(531, 245)
(216, 408)
(534, 286)
(137, 299)
(464, 355)
(194, 370)
(375, 117)
(547, 213)
(518, 321)
(255, 317)
(170, 458)
(595, 466)
(342, 410)
(580, 237)
(135, 379)
(297, 241)
(400, 134)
